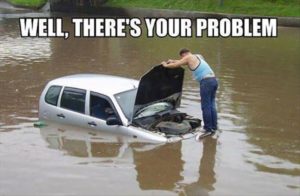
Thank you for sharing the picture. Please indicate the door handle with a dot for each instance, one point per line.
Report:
(92, 124)
(60, 115)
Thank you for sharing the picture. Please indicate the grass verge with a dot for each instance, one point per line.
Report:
(251, 7)
(28, 3)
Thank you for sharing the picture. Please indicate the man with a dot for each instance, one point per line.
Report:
(203, 73)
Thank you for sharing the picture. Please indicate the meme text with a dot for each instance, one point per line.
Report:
(154, 27)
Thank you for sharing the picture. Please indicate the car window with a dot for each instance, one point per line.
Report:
(73, 99)
(100, 107)
(126, 101)
(52, 95)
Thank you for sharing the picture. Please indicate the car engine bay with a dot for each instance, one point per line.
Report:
(170, 122)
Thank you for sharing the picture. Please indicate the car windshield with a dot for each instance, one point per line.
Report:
(154, 109)
(126, 101)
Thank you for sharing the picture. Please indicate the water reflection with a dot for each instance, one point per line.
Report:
(15, 49)
(207, 174)
(207, 177)
(167, 167)
(155, 171)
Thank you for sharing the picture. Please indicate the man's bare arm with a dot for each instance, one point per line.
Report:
(176, 63)
(171, 61)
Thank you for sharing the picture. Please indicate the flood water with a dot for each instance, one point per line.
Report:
(257, 153)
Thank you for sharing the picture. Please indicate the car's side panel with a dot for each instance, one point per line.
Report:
(47, 111)
(61, 115)
(70, 117)
(145, 135)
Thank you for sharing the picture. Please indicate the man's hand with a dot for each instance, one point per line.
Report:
(175, 63)
(164, 63)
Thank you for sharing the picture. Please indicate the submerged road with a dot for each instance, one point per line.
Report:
(257, 153)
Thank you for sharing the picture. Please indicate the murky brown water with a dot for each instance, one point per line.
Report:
(257, 153)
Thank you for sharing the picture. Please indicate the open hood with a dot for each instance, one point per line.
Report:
(159, 84)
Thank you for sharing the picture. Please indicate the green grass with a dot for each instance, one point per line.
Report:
(251, 7)
(28, 3)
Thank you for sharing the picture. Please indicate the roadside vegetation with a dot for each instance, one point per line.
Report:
(28, 3)
(251, 7)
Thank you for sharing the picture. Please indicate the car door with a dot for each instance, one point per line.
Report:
(49, 102)
(71, 107)
(100, 107)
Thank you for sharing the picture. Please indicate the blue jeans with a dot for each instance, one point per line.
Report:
(208, 89)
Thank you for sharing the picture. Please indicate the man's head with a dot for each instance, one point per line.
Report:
(183, 52)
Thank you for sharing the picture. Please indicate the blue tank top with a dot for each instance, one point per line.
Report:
(202, 70)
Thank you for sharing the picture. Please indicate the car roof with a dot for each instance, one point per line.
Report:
(100, 83)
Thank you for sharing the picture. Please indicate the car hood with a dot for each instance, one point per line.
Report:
(159, 84)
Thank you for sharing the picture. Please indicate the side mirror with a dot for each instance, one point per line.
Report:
(113, 120)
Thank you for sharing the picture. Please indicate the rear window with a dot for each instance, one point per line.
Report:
(52, 95)
(73, 99)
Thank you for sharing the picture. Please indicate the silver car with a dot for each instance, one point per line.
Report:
(145, 110)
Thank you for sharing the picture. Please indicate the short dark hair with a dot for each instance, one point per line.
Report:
(183, 50)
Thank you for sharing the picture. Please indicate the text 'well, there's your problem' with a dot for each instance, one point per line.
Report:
(153, 27)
